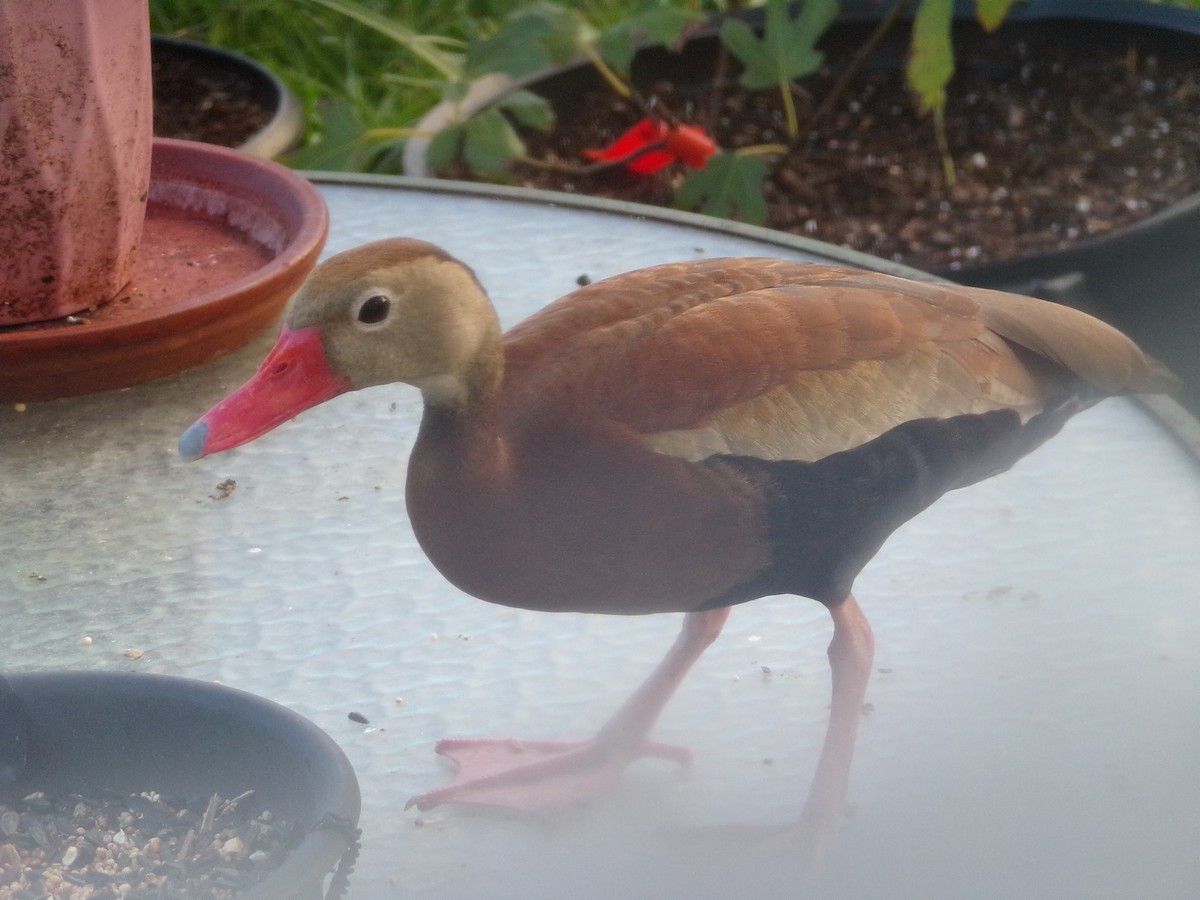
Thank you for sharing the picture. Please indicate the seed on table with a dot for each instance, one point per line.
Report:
(78, 855)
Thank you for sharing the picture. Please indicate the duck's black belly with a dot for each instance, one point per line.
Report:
(828, 518)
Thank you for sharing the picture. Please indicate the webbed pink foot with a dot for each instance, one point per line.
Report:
(536, 777)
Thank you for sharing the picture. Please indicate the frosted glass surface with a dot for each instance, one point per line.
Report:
(1034, 727)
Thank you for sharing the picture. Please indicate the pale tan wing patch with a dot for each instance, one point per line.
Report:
(825, 411)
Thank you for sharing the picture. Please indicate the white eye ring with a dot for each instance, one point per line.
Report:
(374, 310)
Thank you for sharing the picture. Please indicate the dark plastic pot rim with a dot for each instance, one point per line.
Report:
(335, 798)
(1139, 12)
(286, 127)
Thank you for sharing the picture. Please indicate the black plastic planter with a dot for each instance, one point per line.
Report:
(1142, 278)
(246, 84)
(65, 732)
(1170, 235)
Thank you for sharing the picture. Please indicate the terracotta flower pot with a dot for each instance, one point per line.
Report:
(229, 237)
(75, 115)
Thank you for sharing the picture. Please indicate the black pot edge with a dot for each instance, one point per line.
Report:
(1154, 251)
(1172, 415)
(303, 871)
(1128, 11)
(286, 127)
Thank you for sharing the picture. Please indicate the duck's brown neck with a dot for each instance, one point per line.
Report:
(465, 437)
(457, 490)
(463, 433)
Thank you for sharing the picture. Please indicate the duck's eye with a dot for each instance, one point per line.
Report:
(374, 309)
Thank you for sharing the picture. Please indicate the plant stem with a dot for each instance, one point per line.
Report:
(627, 91)
(943, 145)
(761, 150)
(602, 166)
(789, 109)
(716, 96)
(392, 134)
(720, 78)
(614, 80)
(861, 55)
(857, 61)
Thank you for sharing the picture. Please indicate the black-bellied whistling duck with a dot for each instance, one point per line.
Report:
(681, 438)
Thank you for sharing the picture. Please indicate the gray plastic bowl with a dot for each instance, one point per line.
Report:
(114, 731)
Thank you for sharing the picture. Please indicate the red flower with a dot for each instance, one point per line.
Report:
(685, 143)
(690, 145)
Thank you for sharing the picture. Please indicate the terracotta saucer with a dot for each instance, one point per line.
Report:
(228, 238)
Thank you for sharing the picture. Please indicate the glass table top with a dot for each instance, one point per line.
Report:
(1034, 720)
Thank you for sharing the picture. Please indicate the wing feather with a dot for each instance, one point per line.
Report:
(792, 360)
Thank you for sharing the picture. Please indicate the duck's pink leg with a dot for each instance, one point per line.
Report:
(804, 844)
(542, 777)
(851, 653)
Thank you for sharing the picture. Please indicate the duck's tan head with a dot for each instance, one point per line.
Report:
(398, 310)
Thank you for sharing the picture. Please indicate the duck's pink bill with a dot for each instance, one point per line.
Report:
(294, 377)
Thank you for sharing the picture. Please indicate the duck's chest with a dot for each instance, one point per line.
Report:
(586, 527)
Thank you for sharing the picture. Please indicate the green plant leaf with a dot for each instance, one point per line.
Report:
(487, 141)
(445, 146)
(528, 110)
(787, 49)
(533, 37)
(742, 43)
(514, 50)
(490, 142)
(991, 13)
(566, 29)
(730, 186)
(931, 62)
(341, 146)
(930, 67)
(660, 25)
